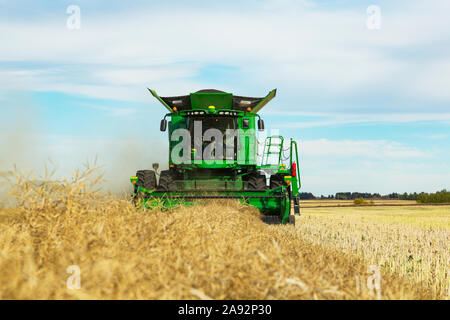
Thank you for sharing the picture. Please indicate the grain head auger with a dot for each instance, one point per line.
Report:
(213, 154)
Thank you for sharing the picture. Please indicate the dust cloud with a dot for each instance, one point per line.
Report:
(126, 158)
(18, 138)
(26, 146)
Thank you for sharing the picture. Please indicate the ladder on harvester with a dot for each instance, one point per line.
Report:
(271, 147)
(274, 146)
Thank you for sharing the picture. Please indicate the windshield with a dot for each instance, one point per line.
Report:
(220, 123)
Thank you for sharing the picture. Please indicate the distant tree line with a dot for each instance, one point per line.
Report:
(437, 197)
(306, 196)
(356, 195)
(403, 196)
(341, 196)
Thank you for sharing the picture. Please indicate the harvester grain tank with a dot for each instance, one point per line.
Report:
(213, 154)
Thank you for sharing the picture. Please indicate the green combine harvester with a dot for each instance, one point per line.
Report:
(213, 154)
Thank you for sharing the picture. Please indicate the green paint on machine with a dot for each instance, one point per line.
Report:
(270, 183)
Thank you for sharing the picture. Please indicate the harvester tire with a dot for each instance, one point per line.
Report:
(146, 179)
(271, 219)
(167, 181)
(291, 219)
(256, 181)
(277, 180)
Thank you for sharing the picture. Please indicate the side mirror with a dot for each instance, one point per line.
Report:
(261, 125)
(163, 125)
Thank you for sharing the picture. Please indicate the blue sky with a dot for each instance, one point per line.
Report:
(370, 108)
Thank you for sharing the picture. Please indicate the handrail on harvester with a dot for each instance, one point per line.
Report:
(294, 143)
(292, 147)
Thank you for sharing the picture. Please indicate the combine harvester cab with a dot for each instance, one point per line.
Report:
(213, 154)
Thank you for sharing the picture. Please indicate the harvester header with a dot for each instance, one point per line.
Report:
(213, 153)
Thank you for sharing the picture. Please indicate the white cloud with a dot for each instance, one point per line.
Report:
(139, 76)
(433, 82)
(116, 84)
(360, 180)
(437, 136)
(332, 119)
(329, 166)
(302, 47)
(111, 111)
(369, 149)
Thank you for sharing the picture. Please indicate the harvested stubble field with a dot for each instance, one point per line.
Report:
(218, 250)
(409, 241)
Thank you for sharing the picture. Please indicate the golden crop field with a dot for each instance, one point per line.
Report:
(213, 250)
